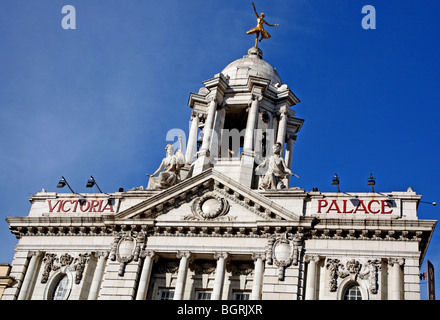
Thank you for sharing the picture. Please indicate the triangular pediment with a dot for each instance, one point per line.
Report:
(188, 201)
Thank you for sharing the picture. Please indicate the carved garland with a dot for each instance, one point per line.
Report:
(52, 262)
(352, 269)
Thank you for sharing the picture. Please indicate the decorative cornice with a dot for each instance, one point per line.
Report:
(396, 230)
(386, 232)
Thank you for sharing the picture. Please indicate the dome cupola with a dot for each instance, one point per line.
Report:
(238, 71)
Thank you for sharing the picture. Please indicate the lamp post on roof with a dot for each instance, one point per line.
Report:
(371, 182)
(62, 183)
(92, 182)
(335, 182)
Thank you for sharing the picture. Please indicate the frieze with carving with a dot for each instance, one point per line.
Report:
(333, 266)
(352, 269)
(203, 267)
(372, 274)
(240, 269)
(52, 262)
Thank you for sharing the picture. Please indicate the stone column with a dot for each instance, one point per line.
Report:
(289, 155)
(192, 138)
(282, 126)
(289, 150)
(251, 123)
(184, 257)
(216, 135)
(29, 276)
(144, 282)
(209, 123)
(395, 278)
(219, 275)
(257, 284)
(311, 277)
(97, 276)
(275, 122)
(203, 161)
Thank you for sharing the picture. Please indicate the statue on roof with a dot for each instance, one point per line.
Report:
(171, 166)
(276, 171)
(259, 29)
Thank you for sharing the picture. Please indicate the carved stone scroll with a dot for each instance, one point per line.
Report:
(126, 248)
(284, 251)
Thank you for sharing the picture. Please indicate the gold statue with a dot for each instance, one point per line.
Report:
(259, 29)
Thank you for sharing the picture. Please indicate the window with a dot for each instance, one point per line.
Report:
(60, 288)
(203, 295)
(352, 292)
(240, 296)
(165, 294)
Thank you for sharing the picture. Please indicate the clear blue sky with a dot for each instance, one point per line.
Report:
(100, 99)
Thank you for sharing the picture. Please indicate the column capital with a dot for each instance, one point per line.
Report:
(256, 97)
(212, 98)
(284, 111)
(253, 99)
(399, 261)
(258, 255)
(101, 254)
(309, 257)
(291, 137)
(195, 114)
(35, 253)
(151, 254)
(184, 254)
(218, 255)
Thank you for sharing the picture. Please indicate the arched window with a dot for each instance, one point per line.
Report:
(352, 292)
(60, 288)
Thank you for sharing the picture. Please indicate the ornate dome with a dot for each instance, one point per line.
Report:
(250, 65)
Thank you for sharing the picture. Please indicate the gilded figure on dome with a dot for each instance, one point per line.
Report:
(259, 29)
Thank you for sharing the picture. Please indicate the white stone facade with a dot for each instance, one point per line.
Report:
(215, 234)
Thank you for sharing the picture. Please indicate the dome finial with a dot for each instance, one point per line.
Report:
(255, 52)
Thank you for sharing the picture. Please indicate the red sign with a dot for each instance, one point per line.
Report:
(359, 206)
(431, 281)
(74, 206)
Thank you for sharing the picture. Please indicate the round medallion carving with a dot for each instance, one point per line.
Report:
(211, 208)
(208, 207)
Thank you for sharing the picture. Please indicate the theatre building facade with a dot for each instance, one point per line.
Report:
(221, 220)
